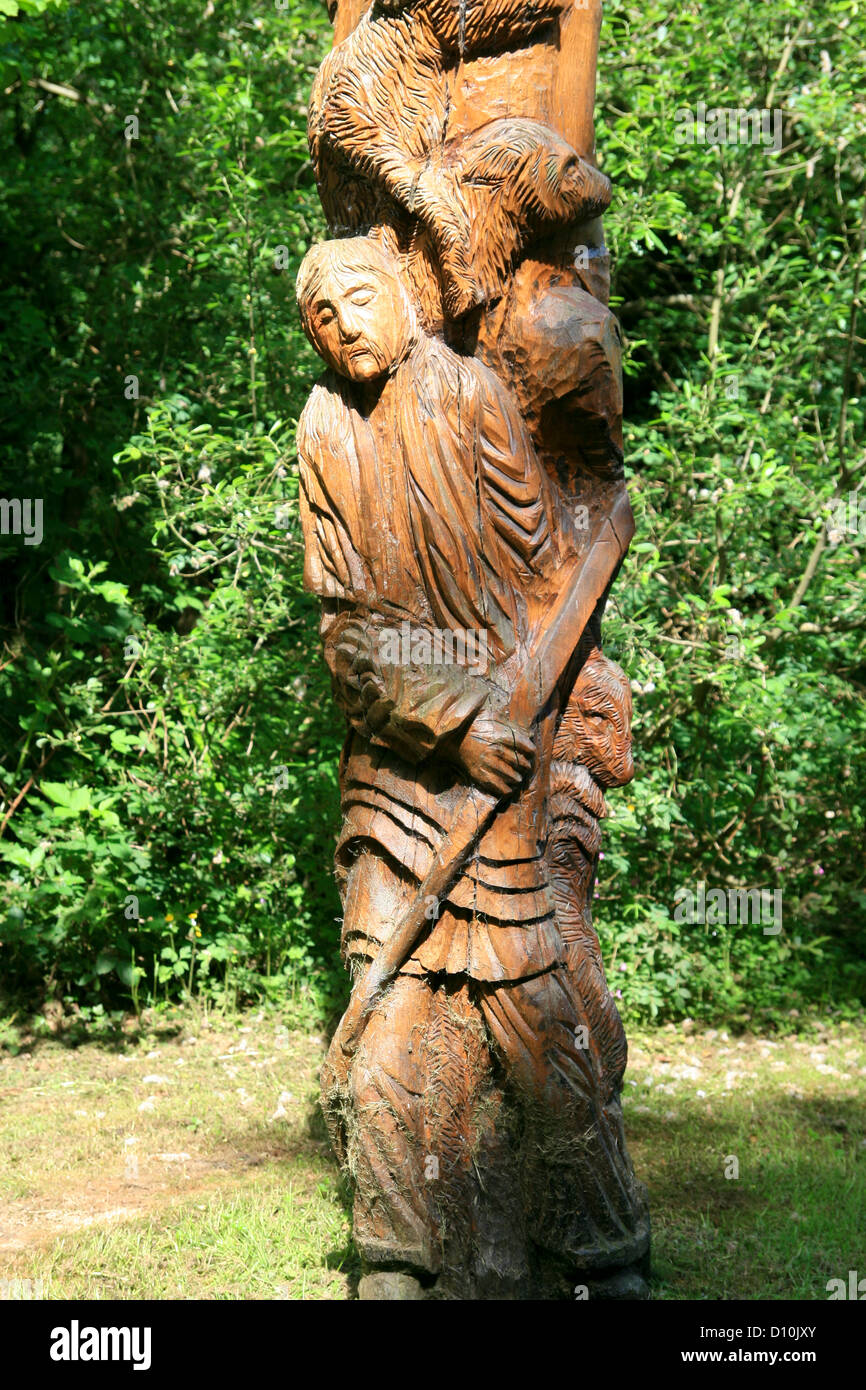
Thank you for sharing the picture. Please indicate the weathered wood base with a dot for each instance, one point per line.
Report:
(483, 1167)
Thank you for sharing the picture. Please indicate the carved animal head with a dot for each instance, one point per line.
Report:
(354, 307)
(519, 179)
(596, 727)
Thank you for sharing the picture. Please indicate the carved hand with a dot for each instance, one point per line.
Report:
(495, 754)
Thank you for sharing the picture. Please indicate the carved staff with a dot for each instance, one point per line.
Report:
(584, 580)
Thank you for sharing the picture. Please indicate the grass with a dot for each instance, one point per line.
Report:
(788, 1117)
(188, 1160)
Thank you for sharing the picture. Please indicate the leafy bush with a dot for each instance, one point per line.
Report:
(164, 712)
(738, 613)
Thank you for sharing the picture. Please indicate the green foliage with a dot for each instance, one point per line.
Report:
(162, 707)
(168, 743)
(738, 613)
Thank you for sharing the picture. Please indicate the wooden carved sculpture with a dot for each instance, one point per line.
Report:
(464, 517)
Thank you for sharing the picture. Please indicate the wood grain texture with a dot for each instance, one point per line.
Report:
(464, 515)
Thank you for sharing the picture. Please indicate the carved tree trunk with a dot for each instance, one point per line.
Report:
(465, 515)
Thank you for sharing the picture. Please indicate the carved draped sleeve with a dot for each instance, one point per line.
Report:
(431, 509)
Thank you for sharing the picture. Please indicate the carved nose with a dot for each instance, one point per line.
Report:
(626, 768)
(587, 187)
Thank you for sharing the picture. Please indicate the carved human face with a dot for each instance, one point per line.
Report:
(356, 311)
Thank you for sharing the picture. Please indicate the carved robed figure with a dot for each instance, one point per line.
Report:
(464, 516)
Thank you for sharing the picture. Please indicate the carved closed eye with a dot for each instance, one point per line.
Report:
(361, 297)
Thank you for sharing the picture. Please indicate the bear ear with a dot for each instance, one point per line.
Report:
(594, 665)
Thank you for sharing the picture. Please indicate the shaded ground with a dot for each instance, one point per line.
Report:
(791, 1113)
(190, 1162)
